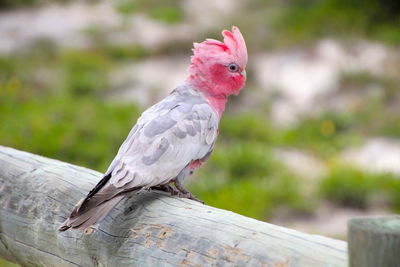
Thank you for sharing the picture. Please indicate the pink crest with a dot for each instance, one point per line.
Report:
(235, 42)
(232, 49)
(210, 72)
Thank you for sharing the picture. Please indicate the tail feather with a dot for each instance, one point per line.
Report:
(96, 205)
(81, 219)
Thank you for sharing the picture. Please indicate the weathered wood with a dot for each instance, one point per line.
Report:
(374, 242)
(148, 229)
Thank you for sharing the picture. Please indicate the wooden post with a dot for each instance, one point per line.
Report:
(374, 242)
(149, 229)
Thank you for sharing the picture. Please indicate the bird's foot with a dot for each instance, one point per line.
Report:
(185, 193)
(167, 188)
(143, 189)
(190, 196)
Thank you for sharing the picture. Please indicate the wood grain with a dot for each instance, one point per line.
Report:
(374, 241)
(147, 229)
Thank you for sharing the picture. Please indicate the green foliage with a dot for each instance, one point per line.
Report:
(244, 160)
(53, 102)
(126, 7)
(7, 68)
(389, 185)
(64, 117)
(125, 53)
(388, 33)
(390, 125)
(232, 195)
(348, 186)
(322, 17)
(85, 73)
(386, 87)
(13, 4)
(81, 130)
(169, 11)
(325, 135)
(4, 263)
(308, 19)
(250, 127)
(247, 173)
(257, 197)
(6, 4)
(374, 112)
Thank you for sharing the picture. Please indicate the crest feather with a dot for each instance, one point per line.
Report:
(236, 44)
(233, 48)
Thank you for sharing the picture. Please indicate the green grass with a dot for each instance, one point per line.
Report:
(352, 187)
(245, 178)
(65, 116)
(305, 20)
(53, 102)
(168, 11)
(244, 159)
(4, 263)
(85, 73)
(7, 4)
(250, 127)
(361, 81)
(127, 53)
(348, 186)
(324, 135)
(82, 130)
(375, 111)
(254, 196)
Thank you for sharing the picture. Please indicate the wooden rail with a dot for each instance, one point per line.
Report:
(148, 229)
(374, 241)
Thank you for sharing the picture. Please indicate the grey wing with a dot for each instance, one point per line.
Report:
(167, 138)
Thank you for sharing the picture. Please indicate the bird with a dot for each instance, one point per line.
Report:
(175, 136)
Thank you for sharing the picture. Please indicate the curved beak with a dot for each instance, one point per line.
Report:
(243, 72)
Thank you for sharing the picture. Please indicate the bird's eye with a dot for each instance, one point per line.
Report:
(233, 67)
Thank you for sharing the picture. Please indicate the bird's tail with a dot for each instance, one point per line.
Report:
(88, 212)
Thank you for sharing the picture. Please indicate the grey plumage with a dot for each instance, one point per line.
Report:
(167, 137)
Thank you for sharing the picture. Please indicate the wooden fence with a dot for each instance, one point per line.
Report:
(147, 229)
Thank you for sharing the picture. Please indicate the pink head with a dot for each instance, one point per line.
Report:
(218, 68)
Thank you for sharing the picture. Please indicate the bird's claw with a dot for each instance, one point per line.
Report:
(176, 192)
(183, 193)
(190, 196)
(167, 188)
(143, 189)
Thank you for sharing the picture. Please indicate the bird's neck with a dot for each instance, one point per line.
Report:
(217, 100)
(218, 104)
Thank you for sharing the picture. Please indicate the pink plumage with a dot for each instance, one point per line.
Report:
(209, 70)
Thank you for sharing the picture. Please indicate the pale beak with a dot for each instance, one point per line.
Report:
(244, 73)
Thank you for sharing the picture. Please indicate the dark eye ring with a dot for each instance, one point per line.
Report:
(233, 67)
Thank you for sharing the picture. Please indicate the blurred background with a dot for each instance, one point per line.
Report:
(313, 140)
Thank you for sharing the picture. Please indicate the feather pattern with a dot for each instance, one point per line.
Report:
(173, 137)
(167, 137)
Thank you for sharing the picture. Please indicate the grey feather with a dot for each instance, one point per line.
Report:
(167, 137)
(179, 133)
(190, 130)
(197, 125)
(159, 125)
(162, 147)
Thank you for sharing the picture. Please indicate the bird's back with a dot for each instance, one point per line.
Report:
(167, 137)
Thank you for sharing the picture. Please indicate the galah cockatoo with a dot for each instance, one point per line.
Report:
(175, 136)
